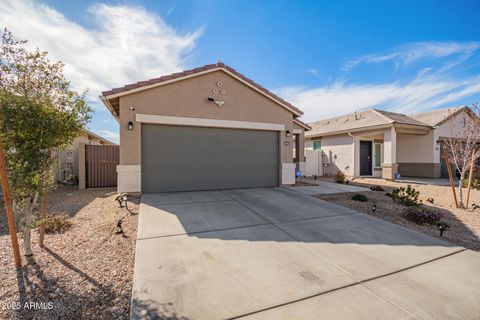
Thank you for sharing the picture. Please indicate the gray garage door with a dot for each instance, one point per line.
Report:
(176, 158)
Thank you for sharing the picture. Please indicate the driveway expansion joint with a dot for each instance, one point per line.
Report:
(362, 283)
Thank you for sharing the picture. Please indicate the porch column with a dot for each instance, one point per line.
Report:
(389, 165)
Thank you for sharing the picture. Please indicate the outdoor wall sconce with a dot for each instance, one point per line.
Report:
(287, 133)
(219, 103)
(130, 125)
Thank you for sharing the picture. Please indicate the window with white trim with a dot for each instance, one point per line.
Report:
(378, 155)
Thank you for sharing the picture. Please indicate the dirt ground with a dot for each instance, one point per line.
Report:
(85, 273)
(464, 224)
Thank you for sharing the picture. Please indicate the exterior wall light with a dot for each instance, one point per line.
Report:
(287, 133)
(130, 125)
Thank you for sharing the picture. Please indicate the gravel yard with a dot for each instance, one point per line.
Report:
(464, 224)
(85, 273)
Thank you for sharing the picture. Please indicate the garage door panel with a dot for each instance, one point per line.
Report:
(178, 158)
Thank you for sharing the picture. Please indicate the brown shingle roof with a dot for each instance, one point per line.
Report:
(179, 75)
(302, 124)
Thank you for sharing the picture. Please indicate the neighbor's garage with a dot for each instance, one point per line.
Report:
(181, 158)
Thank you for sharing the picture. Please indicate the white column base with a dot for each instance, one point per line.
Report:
(129, 178)
(288, 173)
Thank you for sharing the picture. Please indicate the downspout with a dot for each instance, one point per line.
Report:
(353, 157)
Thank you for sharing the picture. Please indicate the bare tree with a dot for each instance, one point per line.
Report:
(462, 146)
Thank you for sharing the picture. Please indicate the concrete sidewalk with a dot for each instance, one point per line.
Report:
(278, 254)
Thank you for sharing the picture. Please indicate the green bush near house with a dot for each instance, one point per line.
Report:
(360, 197)
(339, 177)
(407, 196)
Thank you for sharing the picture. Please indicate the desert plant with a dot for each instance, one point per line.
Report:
(40, 114)
(57, 223)
(422, 215)
(461, 147)
(376, 188)
(339, 177)
(360, 197)
(407, 196)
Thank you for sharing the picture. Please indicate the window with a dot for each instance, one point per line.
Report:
(317, 144)
(378, 155)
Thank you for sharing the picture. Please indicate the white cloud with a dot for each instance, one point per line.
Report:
(109, 135)
(440, 84)
(412, 52)
(125, 44)
(424, 92)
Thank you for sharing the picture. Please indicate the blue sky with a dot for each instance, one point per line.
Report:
(326, 57)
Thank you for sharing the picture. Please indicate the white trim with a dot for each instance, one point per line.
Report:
(202, 122)
(107, 104)
(142, 88)
(297, 131)
(375, 154)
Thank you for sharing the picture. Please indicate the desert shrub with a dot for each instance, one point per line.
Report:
(475, 183)
(422, 215)
(57, 223)
(339, 177)
(407, 196)
(360, 197)
(376, 188)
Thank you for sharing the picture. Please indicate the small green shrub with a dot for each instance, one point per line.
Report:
(475, 183)
(57, 223)
(422, 215)
(339, 177)
(407, 196)
(360, 197)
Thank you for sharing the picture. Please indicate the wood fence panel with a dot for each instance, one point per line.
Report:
(101, 165)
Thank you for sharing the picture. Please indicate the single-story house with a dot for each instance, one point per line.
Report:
(67, 160)
(204, 129)
(379, 143)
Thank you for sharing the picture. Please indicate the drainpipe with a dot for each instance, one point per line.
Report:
(353, 157)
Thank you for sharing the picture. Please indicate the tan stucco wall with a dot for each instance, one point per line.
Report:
(70, 156)
(187, 98)
(412, 148)
(338, 152)
(452, 128)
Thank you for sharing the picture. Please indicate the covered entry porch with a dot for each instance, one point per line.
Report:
(397, 149)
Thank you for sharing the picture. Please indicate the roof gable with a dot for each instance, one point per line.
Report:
(439, 116)
(110, 97)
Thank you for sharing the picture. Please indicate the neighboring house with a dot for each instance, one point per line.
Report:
(380, 143)
(67, 160)
(204, 129)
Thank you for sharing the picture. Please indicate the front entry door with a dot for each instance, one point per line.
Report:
(365, 158)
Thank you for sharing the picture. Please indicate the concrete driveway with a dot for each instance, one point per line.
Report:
(279, 254)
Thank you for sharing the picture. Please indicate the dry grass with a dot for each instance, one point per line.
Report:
(464, 224)
(85, 273)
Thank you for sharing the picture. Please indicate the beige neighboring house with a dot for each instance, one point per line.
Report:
(67, 160)
(379, 143)
(204, 129)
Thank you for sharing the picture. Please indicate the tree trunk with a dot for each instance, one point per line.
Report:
(28, 225)
(43, 215)
(460, 190)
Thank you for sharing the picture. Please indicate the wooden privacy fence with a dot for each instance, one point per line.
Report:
(101, 165)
